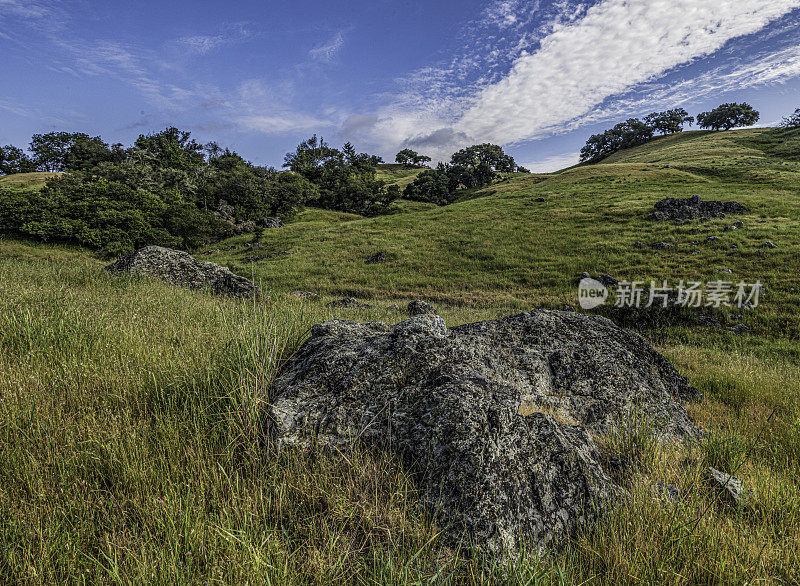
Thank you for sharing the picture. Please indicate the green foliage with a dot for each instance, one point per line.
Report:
(670, 121)
(410, 159)
(728, 116)
(163, 190)
(15, 160)
(792, 121)
(345, 180)
(634, 132)
(472, 167)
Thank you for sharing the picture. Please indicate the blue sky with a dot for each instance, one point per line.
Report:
(536, 76)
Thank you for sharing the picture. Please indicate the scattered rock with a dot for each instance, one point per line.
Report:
(726, 271)
(739, 329)
(730, 228)
(728, 487)
(540, 199)
(713, 239)
(495, 418)
(608, 280)
(709, 321)
(639, 245)
(769, 244)
(666, 492)
(419, 307)
(376, 258)
(349, 302)
(738, 224)
(660, 245)
(271, 222)
(691, 208)
(182, 269)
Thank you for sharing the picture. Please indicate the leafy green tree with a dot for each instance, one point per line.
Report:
(793, 120)
(50, 150)
(345, 179)
(409, 158)
(15, 160)
(728, 116)
(670, 121)
(432, 186)
(630, 133)
(173, 148)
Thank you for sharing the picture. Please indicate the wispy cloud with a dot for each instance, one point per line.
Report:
(328, 51)
(529, 78)
(203, 44)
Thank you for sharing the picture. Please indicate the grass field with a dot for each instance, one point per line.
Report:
(130, 411)
(26, 180)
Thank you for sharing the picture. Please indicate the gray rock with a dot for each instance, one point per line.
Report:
(726, 271)
(608, 280)
(182, 269)
(540, 199)
(691, 208)
(349, 302)
(660, 245)
(271, 222)
(419, 307)
(739, 329)
(713, 239)
(728, 487)
(495, 418)
(376, 258)
(639, 245)
(769, 244)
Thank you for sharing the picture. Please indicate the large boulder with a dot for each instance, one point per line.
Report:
(182, 269)
(690, 208)
(496, 418)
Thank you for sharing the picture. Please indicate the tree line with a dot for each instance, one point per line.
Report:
(634, 132)
(171, 190)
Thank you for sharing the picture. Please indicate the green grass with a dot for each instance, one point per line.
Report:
(26, 180)
(130, 411)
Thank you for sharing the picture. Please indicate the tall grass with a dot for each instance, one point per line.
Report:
(131, 452)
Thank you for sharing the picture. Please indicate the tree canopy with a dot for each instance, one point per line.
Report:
(793, 120)
(728, 116)
(410, 159)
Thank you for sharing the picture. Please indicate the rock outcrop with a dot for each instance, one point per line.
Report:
(496, 418)
(420, 307)
(182, 269)
(692, 208)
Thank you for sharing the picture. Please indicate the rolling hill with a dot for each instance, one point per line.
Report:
(131, 431)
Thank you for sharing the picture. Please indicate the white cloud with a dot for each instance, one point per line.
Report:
(201, 44)
(329, 50)
(553, 163)
(280, 123)
(615, 46)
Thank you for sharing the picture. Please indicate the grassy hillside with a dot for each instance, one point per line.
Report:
(397, 174)
(130, 410)
(26, 180)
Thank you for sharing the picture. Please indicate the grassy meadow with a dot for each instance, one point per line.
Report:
(130, 411)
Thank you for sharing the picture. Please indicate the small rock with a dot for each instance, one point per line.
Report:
(726, 271)
(730, 228)
(728, 487)
(272, 222)
(608, 280)
(660, 245)
(540, 199)
(706, 320)
(769, 244)
(696, 251)
(419, 307)
(639, 245)
(666, 492)
(713, 239)
(348, 302)
(733, 247)
(376, 258)
(739, 329)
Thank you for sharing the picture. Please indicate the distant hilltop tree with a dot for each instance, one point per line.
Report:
(793, 120)
(472, 167)
(15, 160)
(669, 122)
(409, 158)
(728, 116)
